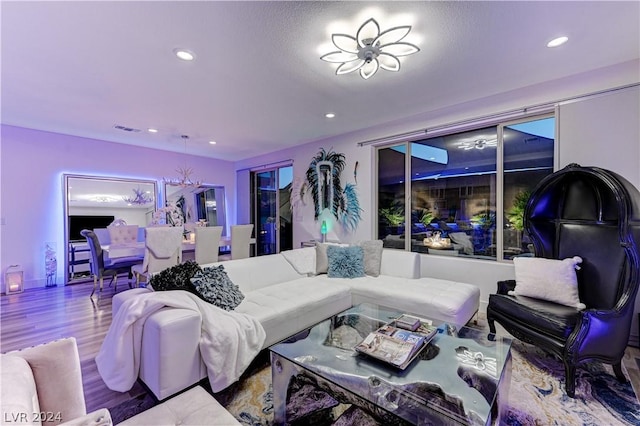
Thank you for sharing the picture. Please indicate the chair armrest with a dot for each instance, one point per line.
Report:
(505, 286)
(599, 334)
(100, 417)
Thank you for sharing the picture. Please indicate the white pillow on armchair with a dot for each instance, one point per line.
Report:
(548, 279)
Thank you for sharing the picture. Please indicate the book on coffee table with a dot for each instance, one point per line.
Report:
(397, 346)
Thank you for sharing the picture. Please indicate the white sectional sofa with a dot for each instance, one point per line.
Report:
(285, 302)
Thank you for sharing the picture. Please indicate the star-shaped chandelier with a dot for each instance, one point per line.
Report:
(370, 49)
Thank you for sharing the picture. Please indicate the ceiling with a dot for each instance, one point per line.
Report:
(257, 84)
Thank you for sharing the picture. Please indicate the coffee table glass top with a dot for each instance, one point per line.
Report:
(456, 376)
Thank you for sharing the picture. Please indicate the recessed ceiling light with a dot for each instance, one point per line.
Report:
(329, 115)
(213, 142)
(152, 130)
(183, 54)
(557, 41)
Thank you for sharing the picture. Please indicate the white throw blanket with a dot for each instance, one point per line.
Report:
(229, 341)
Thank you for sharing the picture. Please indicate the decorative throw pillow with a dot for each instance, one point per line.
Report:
(345, 262)
(176, 277)
(214, 285)
(322, 263)
(372, 257)
(303, 260)
(548, 279)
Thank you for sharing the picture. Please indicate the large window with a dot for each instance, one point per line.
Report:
(454, 184)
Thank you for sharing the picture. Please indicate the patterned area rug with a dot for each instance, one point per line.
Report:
(536, 396)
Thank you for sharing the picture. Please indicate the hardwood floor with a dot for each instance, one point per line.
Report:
(45, 314)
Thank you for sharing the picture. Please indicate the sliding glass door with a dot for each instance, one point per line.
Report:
(272, 210)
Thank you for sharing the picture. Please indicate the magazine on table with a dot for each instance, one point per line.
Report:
(399, 342)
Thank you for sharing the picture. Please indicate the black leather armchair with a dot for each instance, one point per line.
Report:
(592, 213)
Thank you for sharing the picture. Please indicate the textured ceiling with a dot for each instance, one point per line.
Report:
(257, 84)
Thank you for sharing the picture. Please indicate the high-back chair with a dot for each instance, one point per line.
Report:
(162, 249)
(594, 214)
(101, 268)
(207, 243)
(240, 241)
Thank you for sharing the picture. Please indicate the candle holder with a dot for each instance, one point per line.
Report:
(14, 280)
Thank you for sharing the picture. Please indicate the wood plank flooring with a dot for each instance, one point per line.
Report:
(45, 314)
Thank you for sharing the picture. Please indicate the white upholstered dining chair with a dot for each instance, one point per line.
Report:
(240, 241)
(162, 249)
(207, 243)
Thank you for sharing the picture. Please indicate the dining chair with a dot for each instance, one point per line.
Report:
(162, 249)
(207, 244)
(240, 238)
(101, 268)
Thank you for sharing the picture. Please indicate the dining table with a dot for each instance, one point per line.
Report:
(136, 249)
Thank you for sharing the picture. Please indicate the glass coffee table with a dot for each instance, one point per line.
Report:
(456, 379)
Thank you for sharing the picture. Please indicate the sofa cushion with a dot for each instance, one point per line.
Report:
(214, 286)
(548, 279)
(18, 391)
(345, 262)
(286, 308)
(549, 318)
(193, 407)
(432, 298)
(400, 263)
(372, 256)
(261, 271)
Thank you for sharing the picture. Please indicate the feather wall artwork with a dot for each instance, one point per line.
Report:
(324, 184)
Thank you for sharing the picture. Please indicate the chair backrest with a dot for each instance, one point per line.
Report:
(591, 213)
(103, 236)
(97, 259)
(123, 234)
(207, 243)
(240, 237)
(163, 248)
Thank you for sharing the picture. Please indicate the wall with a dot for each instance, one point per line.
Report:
(32, 163)
(587, 149)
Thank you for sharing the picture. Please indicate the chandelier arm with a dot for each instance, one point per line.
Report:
(360, 37)
(402, 31)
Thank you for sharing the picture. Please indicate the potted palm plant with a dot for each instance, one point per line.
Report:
(392, 216)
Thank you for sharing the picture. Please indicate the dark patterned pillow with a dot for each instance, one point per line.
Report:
(176, 277)
(214, 285)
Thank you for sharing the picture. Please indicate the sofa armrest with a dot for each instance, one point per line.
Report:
(505, 286)
(100, 417)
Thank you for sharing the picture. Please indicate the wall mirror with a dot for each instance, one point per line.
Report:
(95, 202)
(204, 203)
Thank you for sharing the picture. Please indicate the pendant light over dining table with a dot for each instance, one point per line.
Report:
(184, 180)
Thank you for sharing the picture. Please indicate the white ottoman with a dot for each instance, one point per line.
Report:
(194, 407)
